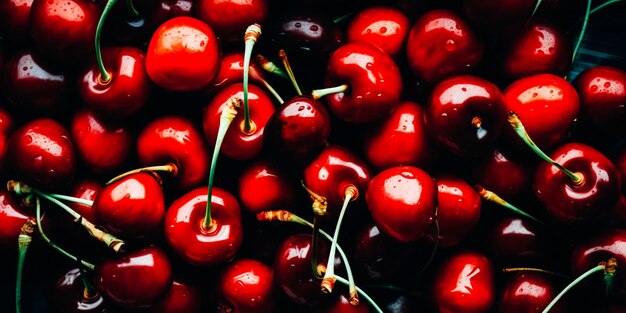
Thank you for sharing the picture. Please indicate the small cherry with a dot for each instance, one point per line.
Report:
(263, 186)
(528, 291)
(181, 297)
(230, 18)
(384, 27)
(246, 286)
(502, 174)
(74, 293)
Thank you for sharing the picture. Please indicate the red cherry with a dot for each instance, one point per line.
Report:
(132, 207)
(400, 139)
(528, 292)
(183, 54)
(538, 99)
(464, 283)
(231, 17)
(231, 71)
(402, 202)
(384, 27)
(465, 114)
(15, 19)
(88, 190)
(103, 147)
(175, 139)
(441, 45)
(498, 18)
(181, 297)
(12, 218)
(137, 279)
(342, 305)
(41, 151)
(263, 186)
(602, 92)
(518, 242)
(128, 88)
(168, 9)
(505, 176)
(186, 235)
(6, 126)
(373, 80)
(69, 295)
(246, 286)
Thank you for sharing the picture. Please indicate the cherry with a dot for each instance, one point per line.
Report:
(342, 305)
(602, 92)
(137, 279)
(246, 286)
(372, 83)
(528, 292)
(400, 139)
(131, 207)
(402, 202)
(501, 18)
(102, 146)
(183, 55)
(12, 217)
(64, 29)
(464, 283)
(127, 88)
(506, 176)
(465, 114)
(540, 98)
(168, 9)
(441, 45)
(41, 151)
(263, 186)
(181, 297)
(231, 71)
(15, 19)
(6, 127)
(516, 241)
(384, 27)
(71, 295)
(185, 232)
(230, 18)
(175, 139)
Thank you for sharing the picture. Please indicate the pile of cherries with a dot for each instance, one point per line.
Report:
(374, 156)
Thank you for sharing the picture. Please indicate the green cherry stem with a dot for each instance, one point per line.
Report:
(536, 8)
(318, 93)
(170, 168)
(582, 30)
(251, 36)
(604, 5)
(105, 77)
(257, 76)
(292, 77)
(72, 199)
(226, 117)
(519, 129)
(270, 66)
(90, 291)
(23, 242)
(492, 197)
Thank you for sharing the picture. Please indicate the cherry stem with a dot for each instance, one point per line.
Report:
(492, 197)
(23, 242)
(342, 18)
(582, 30)
(318, 93)
(226, 117)
(518, 127)
(607, 268)
(131, 7)
(314, 245)
(435, 245)
(328, 282)
(72, 199)
(362, 293)
(52, 244)
(292, 77)
(251, 36)
(105, 77)
(536, 8)
(603, 5)
(270, 66)
(90, 291)
(532, 269)
(167, 168)
(257, 76)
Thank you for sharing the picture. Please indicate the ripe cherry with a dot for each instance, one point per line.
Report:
(246, 286)
(12, 217)
(528, 292)
(506, 176)
(231, 71)
(342, 305)
(384, 27)
(71, 295)
(181, 297)
(230, 18)
(263, 186)
(515, 241)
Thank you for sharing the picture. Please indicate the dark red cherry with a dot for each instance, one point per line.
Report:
(465, 114)
(169, 9)
(230, 18)
(42, 153)
(529, 292)
(602, 92)
(263, 186)
(85, 189)
(12, 218)
(137, 279)
(516, 241)
(69, 295)
(441, 45)
(507, 177)
(246, 286)
(15, 19)
(6, 127)
(181, 297)
(384, 27)
(342, 305)
(498, 18)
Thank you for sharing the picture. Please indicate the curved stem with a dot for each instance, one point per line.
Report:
(267, 85)
(23, 242)
(519, 129)
(532, 269)
(535, 9)
(435, 246)
(72, 199)
(582, 30)
(362, 293)
(105, 77)
(580, 278)
(292, 77)
(492, 197)
(252, 34)
(131, 7)
(227, 116)
(167, 168)
(604, 5)
(318, 93)
(270, 67)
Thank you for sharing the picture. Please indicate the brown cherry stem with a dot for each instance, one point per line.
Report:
(318, 93)
(292, 77)
(170, 168)
(492, 197)
(23, 242)
(270, 66)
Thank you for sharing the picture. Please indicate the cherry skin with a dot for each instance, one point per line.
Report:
(402, 202)
(174, 139)
(183, 55)
(569, 202)
(230, 18)
(137, 279)
(6, 127)
(246, 286)
(602, 91)
(69, 295)
(373, 79)
(132, 207)
(85, 189)
(538, 99)
(64, 29)
(181, 297)
(15, 19)
(126, 92)
(238, 144)
(12, 218)
(528, 292)
(465, 114)
(384, 27)
(33, 86)
(464, 283)
(342, 305)
(400, 139)
(499, 18)
(102, 146)
(231, 71)
(186, 235)
(516, 241)
(263, 186)
(505, 176)
(41, 151)
(441, 45)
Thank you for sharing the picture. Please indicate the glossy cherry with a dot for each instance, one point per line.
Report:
(186, 235)
(231, 71)
(528, 292)
(12, 217)
(175, 139)
(183, 55)
(85, 189)
(342, 305)
(102, 146)
(264, 186)
(137, 279)
(464, 283)
(128, 88)
(465, 114)
(230, 18)
(400, 139)
(131, 207)
(247, 286)
(498, 18)
(505, 176)
(384, 27)
(15, 19)
(402, 202)
(69, 295)
(373, 83)
(441, 45)
(515, 241)
(41, 151)
(181, 297)
(6, 127)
